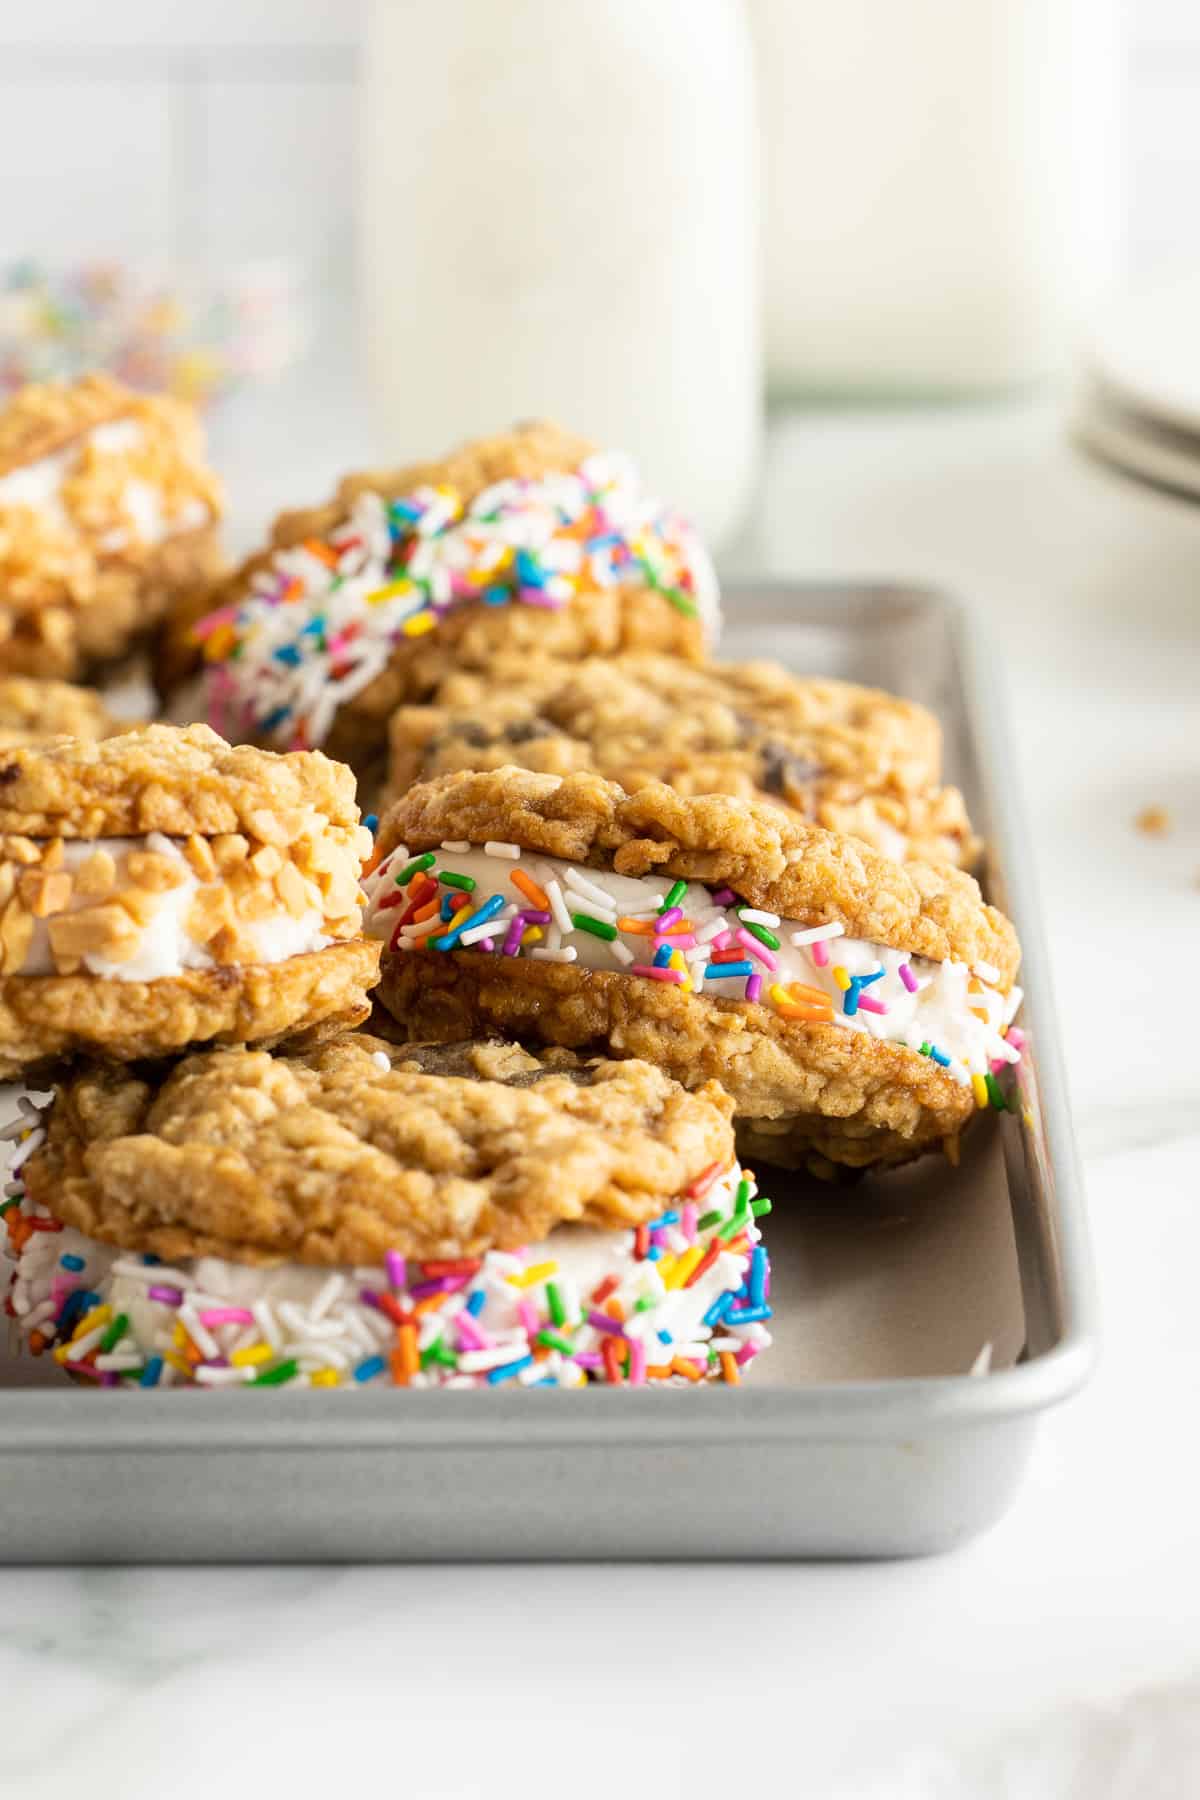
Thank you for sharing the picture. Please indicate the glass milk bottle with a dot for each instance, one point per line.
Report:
(559, 221)
(943, 183)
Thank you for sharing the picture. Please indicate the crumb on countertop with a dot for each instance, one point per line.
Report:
(1154, 821)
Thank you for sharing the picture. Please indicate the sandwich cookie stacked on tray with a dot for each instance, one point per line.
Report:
(107, 510)
(469, 1217)
(160, 889)
(851, 758)
(531, 543)
(857, 1010)
(624, 900)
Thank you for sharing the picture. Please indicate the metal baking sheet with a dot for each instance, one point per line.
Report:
(862, 1433)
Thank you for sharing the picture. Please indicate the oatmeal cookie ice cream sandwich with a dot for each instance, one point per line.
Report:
(532, 542)
(468, 1216)
(107, 509)
(851, 758)
(160, 889)
(856, 1009)
(32, 711)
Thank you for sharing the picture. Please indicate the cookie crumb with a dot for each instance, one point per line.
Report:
(1154, 821)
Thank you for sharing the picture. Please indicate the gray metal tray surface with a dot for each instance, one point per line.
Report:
(863, 1432)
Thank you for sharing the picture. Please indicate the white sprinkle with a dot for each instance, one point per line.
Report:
(493, 848)
(264, 1318)
(562, 917)
(200, 1336)
(475, 1362)
(983, 1362)
(477, 933)
(423, 928)
(621, 951)
(816, 934)
(959, 1071)
(223, 1377)
(430, 1328)
(321, 1354)
(117, 1360)
(333, 1288)
(713, 929)
(297, 1320)
(986, 972)
(575, 879)
(378, 1325)
(81, 1346)
(566, 955)
(606, 915)
(26, 1149)
(380, 1060)
(456, 846)
(136, 1270)
(754, 915)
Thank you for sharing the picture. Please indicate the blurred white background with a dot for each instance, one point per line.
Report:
(210, 135)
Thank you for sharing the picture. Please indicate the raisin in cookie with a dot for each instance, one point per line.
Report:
(851, 758)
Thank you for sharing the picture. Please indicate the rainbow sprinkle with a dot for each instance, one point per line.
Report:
(321, 621)
(201, 344)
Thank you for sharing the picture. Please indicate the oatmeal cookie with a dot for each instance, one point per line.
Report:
(107, 509)
(160, 888)
(531, 543)
(863, 1002)
(512, 1212)
(31, 711)
(181, 780)
(45, 1018)
(851, 758)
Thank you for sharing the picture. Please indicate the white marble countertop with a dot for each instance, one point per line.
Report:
(760, 1679)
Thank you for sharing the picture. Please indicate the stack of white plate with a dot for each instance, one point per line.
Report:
(1139, 404)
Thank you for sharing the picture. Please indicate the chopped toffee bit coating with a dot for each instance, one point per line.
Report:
(106, 509)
